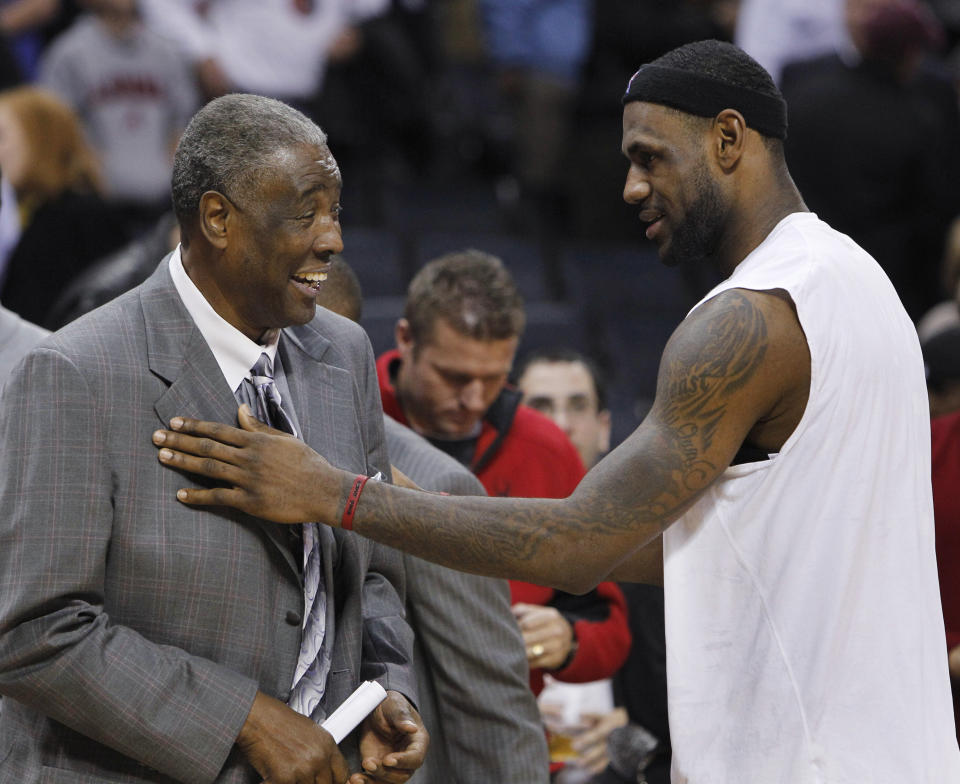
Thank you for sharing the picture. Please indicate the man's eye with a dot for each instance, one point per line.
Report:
(336, 210)
(455, 379)
(307, 217)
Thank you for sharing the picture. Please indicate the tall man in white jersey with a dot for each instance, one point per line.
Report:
(785, 462)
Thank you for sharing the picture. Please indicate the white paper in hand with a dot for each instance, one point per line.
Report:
(354, 709)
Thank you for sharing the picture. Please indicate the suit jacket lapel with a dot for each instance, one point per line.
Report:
(310, 381)
(178, 353)
(324, 397)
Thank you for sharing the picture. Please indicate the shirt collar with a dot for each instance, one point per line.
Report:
(235, 352)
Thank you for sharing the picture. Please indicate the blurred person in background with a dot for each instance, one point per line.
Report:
(947, 312)
(277, 48)
(447, 380)
(565, 386)
(538, 50)
(778, 32)
(941, 362)
(65, 224)
(945, 445)
(624, 32)
(886, 118)
(379, 104)
(134, 94)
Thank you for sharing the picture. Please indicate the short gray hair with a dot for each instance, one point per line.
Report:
(228, 144)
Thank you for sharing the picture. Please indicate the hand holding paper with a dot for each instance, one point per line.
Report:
(354, 709)
(393, 743)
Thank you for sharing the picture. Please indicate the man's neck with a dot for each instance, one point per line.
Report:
(753, 221)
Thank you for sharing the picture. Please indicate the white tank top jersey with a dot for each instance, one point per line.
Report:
(805, 637)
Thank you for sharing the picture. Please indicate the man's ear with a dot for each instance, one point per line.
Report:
(730, 133)
(216, 215)
(404, 338)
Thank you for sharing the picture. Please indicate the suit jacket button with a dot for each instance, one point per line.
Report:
(294, 618)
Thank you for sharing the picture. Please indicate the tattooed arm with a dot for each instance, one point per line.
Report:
(736, 368)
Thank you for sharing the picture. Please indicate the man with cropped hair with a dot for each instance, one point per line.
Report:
(566, 386)
(447, 380)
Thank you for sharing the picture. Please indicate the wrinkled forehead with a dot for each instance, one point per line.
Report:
(308, 165)
(327, 165)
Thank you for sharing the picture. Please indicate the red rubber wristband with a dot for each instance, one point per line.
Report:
(353, 499)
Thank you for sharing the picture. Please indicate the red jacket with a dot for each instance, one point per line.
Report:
(945, 440)
(522, 454)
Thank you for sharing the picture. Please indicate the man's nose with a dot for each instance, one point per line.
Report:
(472, 398)
(329, 238)
(562, 420)
(636, 188)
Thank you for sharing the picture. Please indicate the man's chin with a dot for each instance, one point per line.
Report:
(666, 255)
(298, 316)
(456, 430)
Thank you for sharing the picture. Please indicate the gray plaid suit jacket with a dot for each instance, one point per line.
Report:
(134, 631)
(471, 666)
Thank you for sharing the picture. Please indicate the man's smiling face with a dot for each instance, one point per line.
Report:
(670, 180)
(282, 236)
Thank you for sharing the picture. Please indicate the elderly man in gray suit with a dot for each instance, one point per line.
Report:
(140, 639)
(471, 665)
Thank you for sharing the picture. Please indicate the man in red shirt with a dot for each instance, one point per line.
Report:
(447, 379)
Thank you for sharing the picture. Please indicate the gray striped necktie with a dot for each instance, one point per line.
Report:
(261, 394)
(313, 664)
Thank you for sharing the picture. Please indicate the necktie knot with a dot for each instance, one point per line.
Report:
(262, 369)
(267, 397)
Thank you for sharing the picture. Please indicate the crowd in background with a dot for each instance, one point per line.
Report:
(491, 124)
(480, 123)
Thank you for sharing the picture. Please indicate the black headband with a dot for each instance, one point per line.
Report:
(704, 96)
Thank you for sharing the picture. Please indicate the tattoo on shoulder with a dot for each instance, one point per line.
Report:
(703, 374)
(719, 356)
